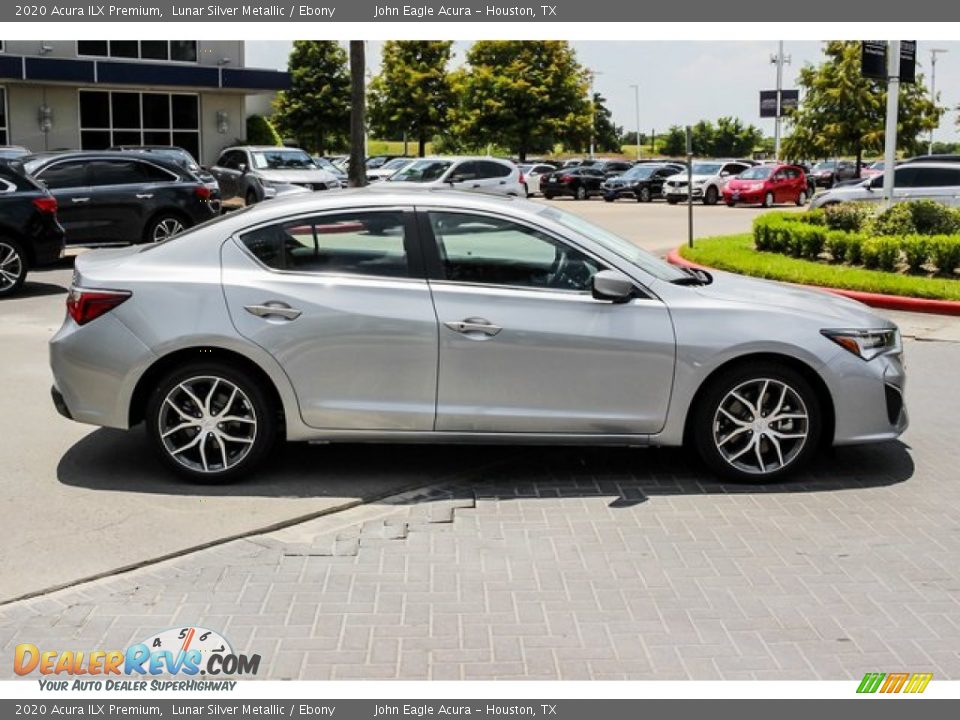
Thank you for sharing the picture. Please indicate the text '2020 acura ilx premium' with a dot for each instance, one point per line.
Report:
(395, 315)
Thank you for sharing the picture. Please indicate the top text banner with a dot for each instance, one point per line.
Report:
(474, 11)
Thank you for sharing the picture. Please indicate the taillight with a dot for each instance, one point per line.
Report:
(202, 192)
(567, 179)
(46, 204)
(522, 179)
(86, 305)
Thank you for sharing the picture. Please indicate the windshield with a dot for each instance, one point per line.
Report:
(827, 165)
(756, 173)
(395, 164)
(615, 244)
(640, 172)
(706, 168)
(422, 171)
(282, 160)
(325, 164)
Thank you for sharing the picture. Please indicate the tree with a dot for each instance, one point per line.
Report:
(260, 131)
(674, 142)
(525, 95)
(731, 138)
(316, 108)
(843, 113)
(358, 105)
(413, 93)
(606, 135)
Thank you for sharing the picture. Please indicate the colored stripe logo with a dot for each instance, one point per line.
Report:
(888, 683)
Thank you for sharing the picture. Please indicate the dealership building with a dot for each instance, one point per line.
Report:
(91, 94)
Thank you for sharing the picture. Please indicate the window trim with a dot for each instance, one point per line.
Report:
(411, 243)
(437, 273)
(4, 106)
(139, 57)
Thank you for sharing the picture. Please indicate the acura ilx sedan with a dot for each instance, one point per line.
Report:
(387, 315)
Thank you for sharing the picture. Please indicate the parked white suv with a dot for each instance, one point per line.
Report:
(709, 179)
(484, 174)
(939, 182)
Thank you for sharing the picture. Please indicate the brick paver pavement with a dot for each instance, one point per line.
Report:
(583, 564)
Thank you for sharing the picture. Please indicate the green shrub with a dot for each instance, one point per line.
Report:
(932, 218)
(809, 242)
(854, 254)
(850, 216)
(813, 217)
(836, 244)
(881, 253)
(916, 250)
(895, 220)
(260, 131)
(945, 252)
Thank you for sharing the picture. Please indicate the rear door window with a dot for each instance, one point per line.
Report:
(68, 174)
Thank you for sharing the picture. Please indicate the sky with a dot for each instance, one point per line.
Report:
(683, 82)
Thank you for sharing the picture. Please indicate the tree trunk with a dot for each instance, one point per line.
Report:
(358, 94)
(422, 143)
(859, 158)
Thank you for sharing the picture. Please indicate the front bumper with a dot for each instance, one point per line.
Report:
(675, 193)
(748, 198)
(868, 398)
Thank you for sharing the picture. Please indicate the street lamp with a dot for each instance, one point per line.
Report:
(779, 59)
(933, 85)
(636, 101)
(593, 110)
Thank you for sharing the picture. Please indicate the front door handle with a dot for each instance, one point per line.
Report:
(473, 326)
(144, 196)
(80, 200)
(274, 309)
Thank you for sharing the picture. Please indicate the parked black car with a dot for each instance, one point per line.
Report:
(608, 167)
(579, 182)
(117, 197)
(30, 235)
(829, 172)
(643, 182)
(178, 155)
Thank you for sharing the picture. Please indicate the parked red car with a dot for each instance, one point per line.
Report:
(767, 185)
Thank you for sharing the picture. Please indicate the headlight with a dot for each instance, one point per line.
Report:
(866, 344)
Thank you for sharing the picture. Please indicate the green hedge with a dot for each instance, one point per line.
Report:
(856, 234)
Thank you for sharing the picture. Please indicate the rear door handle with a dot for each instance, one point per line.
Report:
(144, 196)
(473, 326)
(80, 200)
(274, 309)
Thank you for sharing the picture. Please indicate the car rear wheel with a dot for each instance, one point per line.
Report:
(802, 199)
(768, 200)
(672, 201)
(251, 198)
(757, 422)
(547, 196)
(211, 422)
(163, 227)
(581, 193)
(644, 195)
(13, 266)
(711, 196)
(731, 203)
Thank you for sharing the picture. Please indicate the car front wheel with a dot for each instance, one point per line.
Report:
(711, 196)
(13, 266)
(757, 422)
(211, 422)
(768, 200)
(581, 193)
(644, 195)
(801, 199)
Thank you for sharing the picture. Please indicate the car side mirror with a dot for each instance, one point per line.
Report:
(612, 286)
(461, 177)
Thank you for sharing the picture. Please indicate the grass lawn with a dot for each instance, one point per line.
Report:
(737, 254)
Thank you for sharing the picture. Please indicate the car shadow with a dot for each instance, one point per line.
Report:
(38, 289)
(119, 461)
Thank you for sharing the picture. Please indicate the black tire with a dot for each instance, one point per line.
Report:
(609, 198)
(707, 418)
(14, 264)
(163, 226)
(547, 196)
(730, 203)
(581, 193)
(643, 195)
(767, 200)
(672, 201)
(711, 196)
(251, 198)
(802, 198)
(251, 403)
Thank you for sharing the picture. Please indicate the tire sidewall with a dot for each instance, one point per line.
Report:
(703, 414)
(263, 408)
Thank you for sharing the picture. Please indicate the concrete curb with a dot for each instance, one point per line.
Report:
(888, 302)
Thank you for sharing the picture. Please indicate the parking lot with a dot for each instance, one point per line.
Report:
(530, 564)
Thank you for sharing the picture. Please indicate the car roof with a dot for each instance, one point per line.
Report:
(100, 155)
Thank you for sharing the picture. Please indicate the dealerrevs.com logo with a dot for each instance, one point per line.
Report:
(889, 683)
(189, 651)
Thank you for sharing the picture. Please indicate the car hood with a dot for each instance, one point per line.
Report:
(682, 177)
(297, 176)
(838, 311)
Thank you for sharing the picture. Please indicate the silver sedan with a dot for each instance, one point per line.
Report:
(394, 315)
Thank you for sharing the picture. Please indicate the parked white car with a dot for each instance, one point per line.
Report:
(709, 179)
(388, 169)
(485, 174)
(531, 174)
(939, 182)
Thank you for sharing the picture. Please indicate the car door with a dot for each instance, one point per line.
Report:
(120, 199)
(68, 182)
(339, 300)
(227, 172)
(494, 176)
(524, 346)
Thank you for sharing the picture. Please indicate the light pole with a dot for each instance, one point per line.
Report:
(779, 59)
(593, 110)
(890, 132)
(636, 102)
(933, 86)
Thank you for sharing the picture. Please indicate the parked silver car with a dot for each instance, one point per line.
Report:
(939, 182)
(254, 173)
(385, 314)
(486, 174)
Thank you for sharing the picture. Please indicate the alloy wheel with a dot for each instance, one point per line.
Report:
(761, 426)
(166, 228)
(11, 267)
(207, 424)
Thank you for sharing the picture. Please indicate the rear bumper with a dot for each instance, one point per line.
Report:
(59, 403)
(48, 244)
